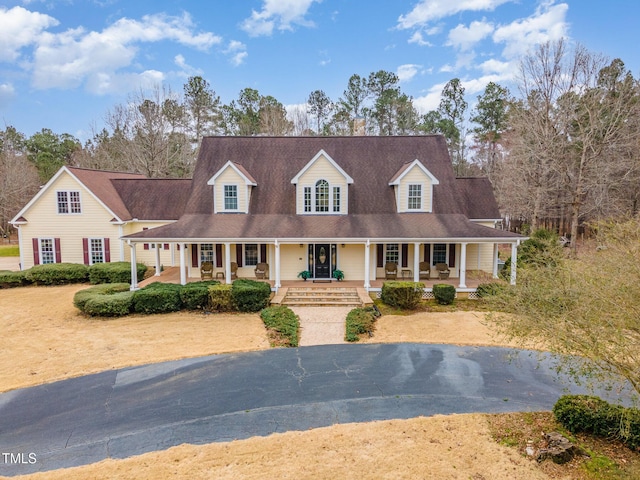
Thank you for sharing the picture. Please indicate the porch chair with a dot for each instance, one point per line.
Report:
(424, 270)
(262, 270)
(234, 270)
(443, 270)
(206, 271)
(391, 271)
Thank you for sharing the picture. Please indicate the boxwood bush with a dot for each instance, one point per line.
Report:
(157, 298)
(589, 414)
(360, 321)
(57, 274)
(406, 295)
(114, 272)
(250, 295)
(220, 297)
(444, 294)
(195, 296)
(9, 279)
(284, 324)
(105, 300)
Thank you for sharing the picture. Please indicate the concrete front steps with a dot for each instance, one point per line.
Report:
(332, 296)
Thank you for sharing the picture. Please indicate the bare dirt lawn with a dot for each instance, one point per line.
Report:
(45, 339)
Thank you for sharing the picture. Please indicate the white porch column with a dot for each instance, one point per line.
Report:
(367, 264)
(157, 260)
(463, 266)
(183, 264)
(134, 269)
(277, 260)
(416, 262)
(227, 262)
(172, 247)
(495, 260)
(22, 248)
(120, 235)
(514, 262)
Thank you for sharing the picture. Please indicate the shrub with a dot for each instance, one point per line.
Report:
(250, 295)
(57, 274)
(105, 300)
(584, 413)
(490, 289)
(360, 321)
(284, 323)
(9, 279)
(114, 272)
(220, 297)
(402, 294)
(157, 298)
(195, 296)
(444, 294)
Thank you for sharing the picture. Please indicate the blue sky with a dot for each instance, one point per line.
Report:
(65, 63)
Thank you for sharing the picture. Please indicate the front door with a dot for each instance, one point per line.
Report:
(322, 260)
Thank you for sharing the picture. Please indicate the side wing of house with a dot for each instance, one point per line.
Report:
(65, 222)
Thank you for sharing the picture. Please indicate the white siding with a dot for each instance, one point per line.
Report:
(415, 176)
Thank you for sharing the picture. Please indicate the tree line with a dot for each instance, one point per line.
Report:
(565, 150)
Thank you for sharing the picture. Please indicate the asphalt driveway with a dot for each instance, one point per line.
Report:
(127, 412)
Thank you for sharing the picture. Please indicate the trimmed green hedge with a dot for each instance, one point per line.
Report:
(9, 279)
(284, 322)
(360, 321)
(220, 298)
(585, 413)
(114, 272)
(157, 298)
(105, 300)
(57, 274)
(444, 294)
(195, 296)
(250, 295)
(406, 295)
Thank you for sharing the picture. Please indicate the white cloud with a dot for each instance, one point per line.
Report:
(7, 93)
(432, 10)
(431, 100)
(186, 70)
(70, 58)
(417, 38)
(104, 83)
(280, 14)
(19, 28)
(464, 38)
(546, 24)
(237, 52)
(407, 72)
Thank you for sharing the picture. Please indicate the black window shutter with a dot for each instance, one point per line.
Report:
(427, 252)
(194, 254)
(405, 255)
(380, 255)
(218, 255)
(263, 253)
(239, 254)
(452, 255)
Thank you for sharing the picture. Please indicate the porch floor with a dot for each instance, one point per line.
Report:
(172, 275)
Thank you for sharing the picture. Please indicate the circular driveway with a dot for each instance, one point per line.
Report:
(120, 413)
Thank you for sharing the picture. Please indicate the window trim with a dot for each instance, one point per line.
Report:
(310, 206)
(201, 250)
(41, 252)
(244, 255)
(410, 197)
(433, 254)
(387, 250)
(224, 197)
(68, 202)
(91, 251)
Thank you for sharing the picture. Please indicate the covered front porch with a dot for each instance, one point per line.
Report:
(361, 263)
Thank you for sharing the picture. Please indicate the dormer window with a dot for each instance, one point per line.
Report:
(414, 201)
(322, 196)
(69, 202)
(231, 197)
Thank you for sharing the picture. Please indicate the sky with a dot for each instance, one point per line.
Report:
(64, 64)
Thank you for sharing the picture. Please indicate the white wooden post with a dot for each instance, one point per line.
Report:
(120, 235)
(134, 268)
(157, 259)
(463, 266)
(277, 282)
(514, 262)
(183, 264)
(495, 260)
(227, 262)
(367, 262)
(416, 262)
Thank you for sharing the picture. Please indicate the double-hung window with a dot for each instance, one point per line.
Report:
(439, 253)
(391, 254)
(336, 200)
(414, 201)
(206, 252)
(96, 250)
(251, 254)
(69, 202)
(231, 197)
(47, 251)
(322, 196)
(307, 199)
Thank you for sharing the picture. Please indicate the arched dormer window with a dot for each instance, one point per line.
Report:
(322, 196)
